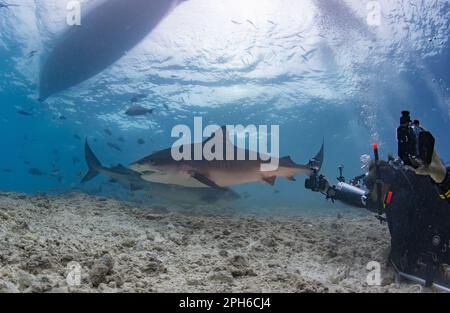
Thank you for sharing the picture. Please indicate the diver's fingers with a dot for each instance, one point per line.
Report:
(421, 163)
(409, 167)
(422, 170)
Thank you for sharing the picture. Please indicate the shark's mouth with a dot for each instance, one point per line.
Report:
(150, 172)
(145, 169)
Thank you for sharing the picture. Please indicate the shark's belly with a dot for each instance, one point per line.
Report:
(179, 178)
(231, 178)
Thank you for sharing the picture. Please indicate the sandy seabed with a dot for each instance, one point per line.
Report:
(125, 247)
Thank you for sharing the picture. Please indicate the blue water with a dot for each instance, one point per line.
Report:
(316, 68)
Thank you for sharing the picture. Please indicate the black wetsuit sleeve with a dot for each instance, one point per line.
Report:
(444, 187)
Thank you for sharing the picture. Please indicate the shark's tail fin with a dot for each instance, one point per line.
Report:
(93, 164)
(316, 162)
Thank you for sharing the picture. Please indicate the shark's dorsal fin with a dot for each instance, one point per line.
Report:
(222, 132)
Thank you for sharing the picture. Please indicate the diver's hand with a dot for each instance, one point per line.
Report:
(436, 169)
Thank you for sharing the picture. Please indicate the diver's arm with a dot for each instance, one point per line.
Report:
(439, 173)
(444, 186)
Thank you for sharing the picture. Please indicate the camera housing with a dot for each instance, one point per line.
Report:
(317, 183)
(415, 144)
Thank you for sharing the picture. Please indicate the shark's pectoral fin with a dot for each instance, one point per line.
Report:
(290, 178)
(270, 180)
(205, 180)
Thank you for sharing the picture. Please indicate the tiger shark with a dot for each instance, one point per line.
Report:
(129, 178)
(107, 32)
(161, 167)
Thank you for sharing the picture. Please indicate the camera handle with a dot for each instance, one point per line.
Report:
(341, 178)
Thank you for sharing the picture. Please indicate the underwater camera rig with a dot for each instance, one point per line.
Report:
(342, 191)
(349, 192)
(426, 258)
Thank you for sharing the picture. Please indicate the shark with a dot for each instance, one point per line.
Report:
(107, 32)
(129, 178)
(161, 167)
